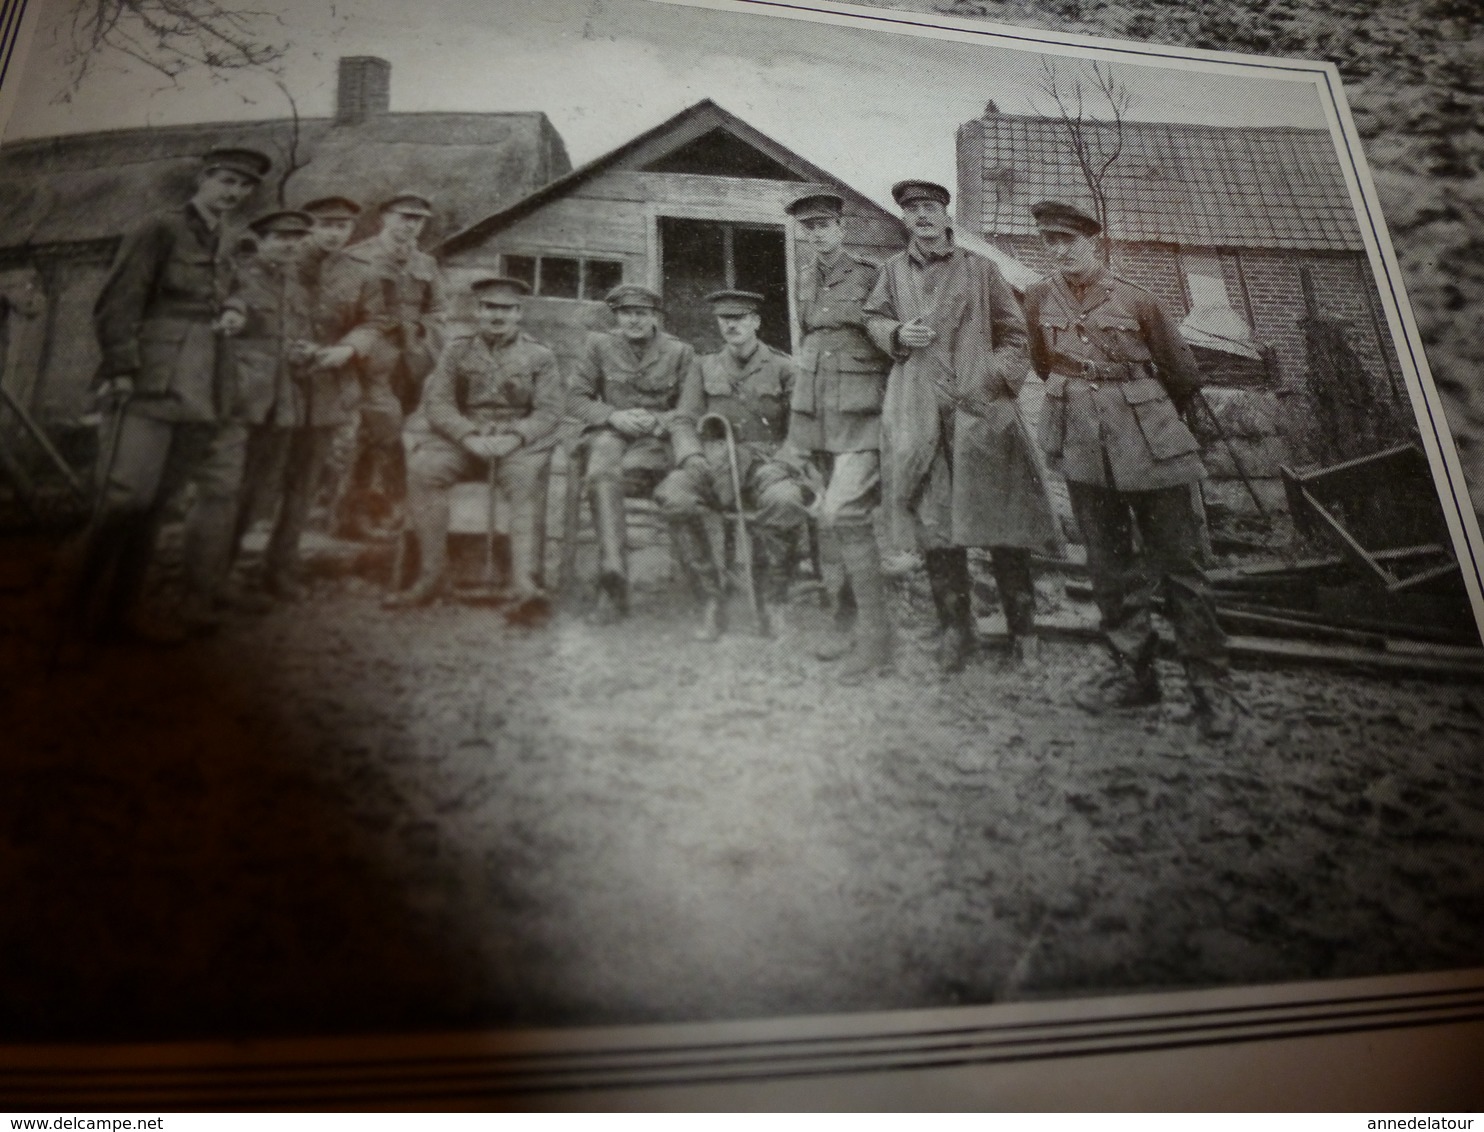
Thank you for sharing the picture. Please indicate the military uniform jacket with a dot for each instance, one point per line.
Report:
(1115, 368)
(278, 312)
(154, 317)
(955, 401)
(390, 311)
(753, 395)
(610, 375)
(484, 387)
(842, 373)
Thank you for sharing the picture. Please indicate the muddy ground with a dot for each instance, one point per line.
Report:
(334, 817)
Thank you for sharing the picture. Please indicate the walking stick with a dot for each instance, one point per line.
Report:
(80, 596)
(1200, 396)
(739, 521)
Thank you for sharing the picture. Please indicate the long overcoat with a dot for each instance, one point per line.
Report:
(958, 466)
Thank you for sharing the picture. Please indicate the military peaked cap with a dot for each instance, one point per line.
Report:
(410, 204)
(816, 206)
(735, 302)
(632, 295)
(286, 220)
(331, 208)
(247, 162)
(905, 192)
(494, 287)
(1054, 216)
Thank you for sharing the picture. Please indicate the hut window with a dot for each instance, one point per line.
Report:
(522, 267)
(599, 277)
(560, 277)
(565, 277)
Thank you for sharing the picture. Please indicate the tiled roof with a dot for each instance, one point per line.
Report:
(1211, 186)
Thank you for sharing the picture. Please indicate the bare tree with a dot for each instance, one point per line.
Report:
(175, 37)
(1092, 105)
(171, 37)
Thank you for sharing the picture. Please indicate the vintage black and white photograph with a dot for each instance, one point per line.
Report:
(585, 513)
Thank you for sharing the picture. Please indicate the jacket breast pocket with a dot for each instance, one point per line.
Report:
(861, 383)
(191, 274)
(1053, 430)
(715, 383)
(1164, 432)
(1124, 330)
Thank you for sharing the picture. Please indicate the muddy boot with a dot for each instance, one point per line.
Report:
(948, 574)
(529, 604)
(613, 574)
(698, 563)
(1215, 707)
(872, 653)
(430, 528)
(839, 598)
(1127, 687)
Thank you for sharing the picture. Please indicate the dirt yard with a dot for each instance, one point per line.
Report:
(334, 817)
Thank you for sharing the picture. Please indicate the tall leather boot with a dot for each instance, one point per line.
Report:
(872, 653)
(430, 529)
(613, 572)
(948, 571)
(693, 548)
(529, 603)
(210, 527)
(840, 598)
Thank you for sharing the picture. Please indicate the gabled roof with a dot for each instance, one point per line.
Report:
(1210, 186)
(95, 186)
(702, 128)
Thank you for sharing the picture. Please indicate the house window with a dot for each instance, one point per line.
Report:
(565, 277)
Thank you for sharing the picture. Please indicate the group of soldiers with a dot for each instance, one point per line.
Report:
(235, 370)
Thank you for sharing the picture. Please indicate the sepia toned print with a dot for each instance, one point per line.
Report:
(985, 549)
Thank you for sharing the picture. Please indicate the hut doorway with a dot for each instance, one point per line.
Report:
(701, 256)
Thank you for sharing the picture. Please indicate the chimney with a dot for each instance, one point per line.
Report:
(365, 89)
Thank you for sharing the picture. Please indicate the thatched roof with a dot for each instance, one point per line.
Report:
(87, 187)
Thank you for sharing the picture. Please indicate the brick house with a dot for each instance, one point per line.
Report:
(1247, 233)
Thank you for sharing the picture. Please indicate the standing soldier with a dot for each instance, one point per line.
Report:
(287, 399)
(385, 299)
(165, 378)
(956, 457)
(750, 384)
(836, 416)
(625, 391)
(496, 397)
(1117, 378)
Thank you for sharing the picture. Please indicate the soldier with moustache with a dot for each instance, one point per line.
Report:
(626, 391)
(836, 419)
(384, 300)
(957, 460)
(165, 379)
(1118, 378)
(495, 397)
(751, 385)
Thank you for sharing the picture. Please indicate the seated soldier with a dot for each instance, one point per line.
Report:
(750, 384)
(625, 390)
(495, 395)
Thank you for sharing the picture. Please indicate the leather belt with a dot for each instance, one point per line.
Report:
(1098, 372)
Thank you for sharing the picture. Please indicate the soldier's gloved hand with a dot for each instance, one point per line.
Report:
(300, 352)
(231, 323)
(915, 335)
(633, 422)
(115, 390)
(486, 447)
(333, 357)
